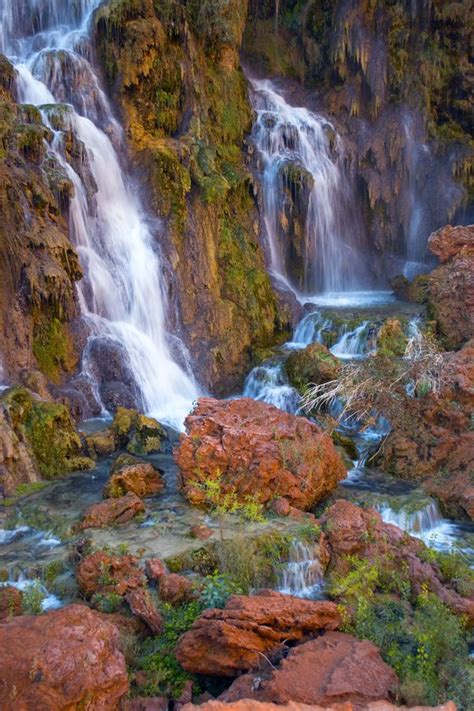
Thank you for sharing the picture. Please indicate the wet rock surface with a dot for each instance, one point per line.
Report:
(112, 511)
(131, 475)
(64, 659)
(256, 451)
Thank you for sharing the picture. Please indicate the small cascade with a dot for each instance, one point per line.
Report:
(302, 576)
(270, 384)
(311, 329)
(302, 154)
(353, 344)
(122, 297)
(48, 601)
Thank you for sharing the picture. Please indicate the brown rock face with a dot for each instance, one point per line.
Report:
(10, 602)
(252, 705)
(432, 440)
(334, 668)
(66, 659)
(258, 452)
(174, 588)
(142, 606)
(351, 530)
(102, 573)
(112, 511)
(140, 478)
(226, 642)
(449, 241)
(154, 569)
(451, 286)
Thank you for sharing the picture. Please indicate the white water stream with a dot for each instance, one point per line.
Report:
(286, 135)
(122, 296)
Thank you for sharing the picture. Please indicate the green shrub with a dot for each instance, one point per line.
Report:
(164, 674)
(217, 588)
(33, 598)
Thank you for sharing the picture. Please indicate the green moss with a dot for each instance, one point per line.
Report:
(53, 348)
(312, 365)
(391, 339)
(49, 430)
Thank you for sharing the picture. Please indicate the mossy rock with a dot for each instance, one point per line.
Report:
(49, 430)
(315, 364)
(391, 339)
(346, 443)
(138, 433)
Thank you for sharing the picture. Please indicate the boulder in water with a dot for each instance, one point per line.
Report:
(112, 512)
(65, 659)
(137, 433)
(129, 474)
(237, 638)
(312, 365)
(256, 452)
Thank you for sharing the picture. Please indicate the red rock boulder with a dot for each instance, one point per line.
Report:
(334, 668)
(131, 475)
(257, 452)
(142, 606)
(252, 705)
(154, 569)
(449, 241)
(66, 659)
(102, 573)
(112, 512)
(451, 286)
(237, 638)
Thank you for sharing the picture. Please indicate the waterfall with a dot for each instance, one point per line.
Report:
(294, 136)
(122, 296)
(270, 384)
(311, 329)
(353, 344)
(302, 576)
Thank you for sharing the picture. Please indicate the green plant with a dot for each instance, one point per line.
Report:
(217, 588)
(164, 674)
(107, 602)
(33, 598)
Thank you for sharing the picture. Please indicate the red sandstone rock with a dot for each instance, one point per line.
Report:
(449, 241)
(154, 569)
(102, 573)
(112, 511)
(202, 532)
(139, 478)
(451, 286)
(252, 705)
(258, 452)
(66, 659)
(351, 530)
(10, 602)
(226, 642)
(174, 588)
(334, 668)
(142, 606)
(154, 703)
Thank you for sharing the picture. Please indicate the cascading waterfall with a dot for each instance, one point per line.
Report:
(302, 576)
(286, 135)
(353, 344)
(121, 297)
(270, 384)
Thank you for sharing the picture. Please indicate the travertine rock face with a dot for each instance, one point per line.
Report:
(257, 451)
(450, 291)
(229, 641)
(66, 659)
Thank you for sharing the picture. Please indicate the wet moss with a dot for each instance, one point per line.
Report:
(53, 348)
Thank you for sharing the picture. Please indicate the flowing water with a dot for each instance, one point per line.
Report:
(270, 384)
(303, 575)
(122, 295)
(294, 136)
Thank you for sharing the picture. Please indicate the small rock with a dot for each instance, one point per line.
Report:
(174, 588)
(142, 606)
(138, 477)
(155, 569)
(201, 531)
(102, 573)
(281, 506)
